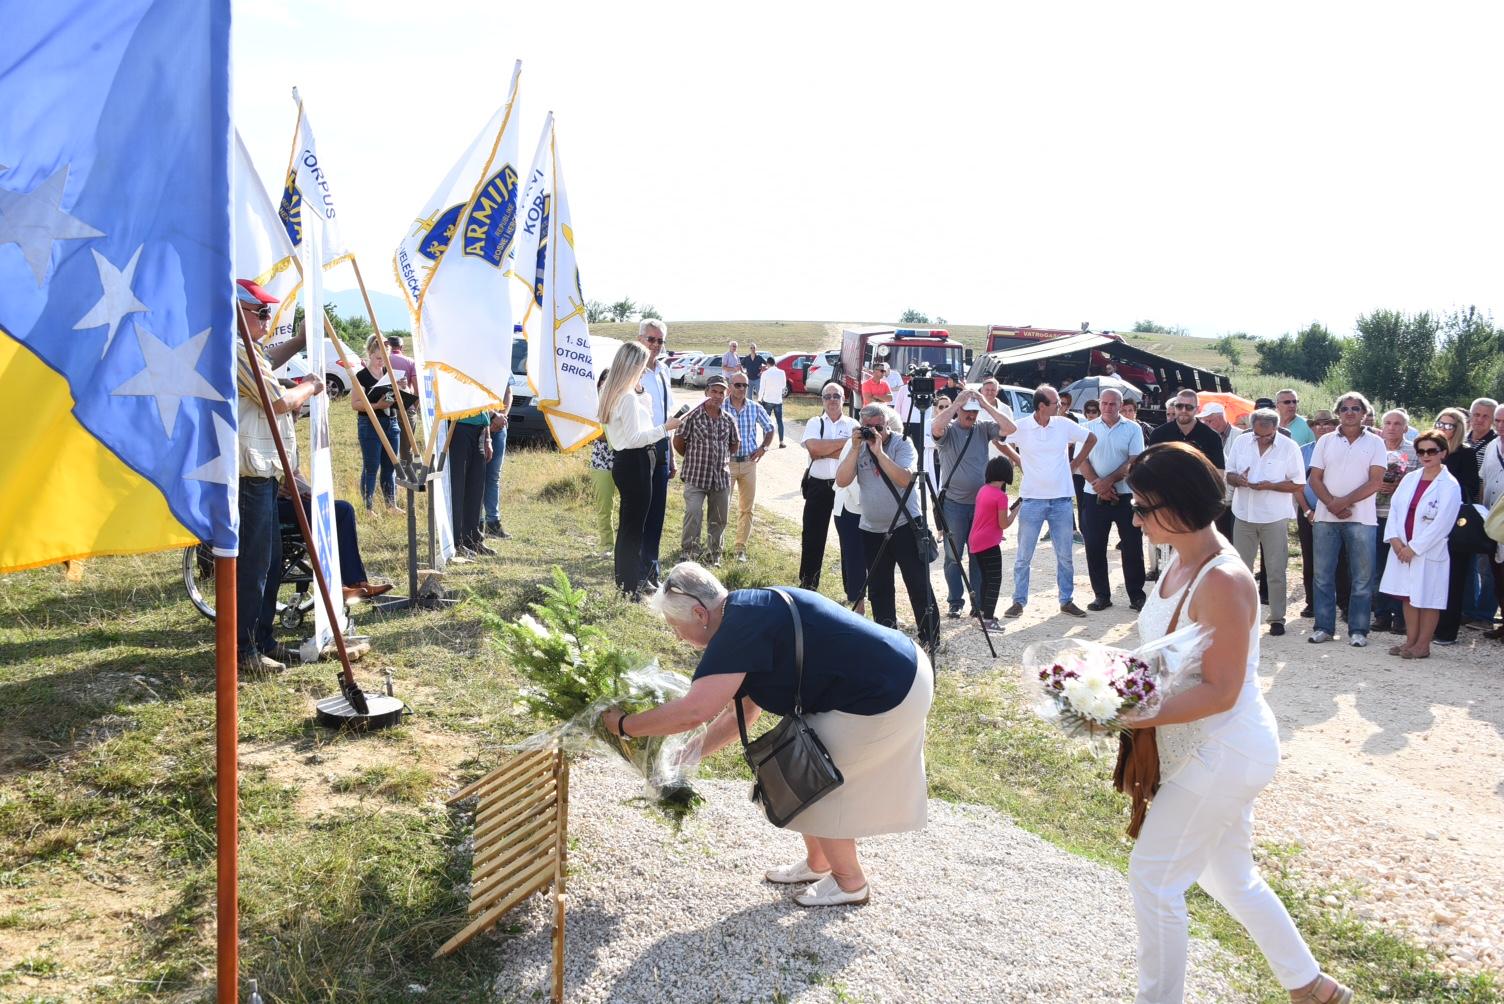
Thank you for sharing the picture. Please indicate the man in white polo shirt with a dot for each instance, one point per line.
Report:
(1266, 472)
(1347, 468)
(1043, 441)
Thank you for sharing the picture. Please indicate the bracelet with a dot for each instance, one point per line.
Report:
(621, 726)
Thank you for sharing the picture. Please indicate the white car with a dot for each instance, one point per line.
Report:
(678, 367)
(822, 371)
(336, 378)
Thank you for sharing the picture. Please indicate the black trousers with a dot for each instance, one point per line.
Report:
(991, 563)
(467, 481)
(819, 503)
(1463, 566)
(632, 472)
(903, 551)
(1096, 520)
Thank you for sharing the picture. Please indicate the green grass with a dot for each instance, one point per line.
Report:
(350, 862)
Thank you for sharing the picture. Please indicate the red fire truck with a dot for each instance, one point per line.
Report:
(901, 349)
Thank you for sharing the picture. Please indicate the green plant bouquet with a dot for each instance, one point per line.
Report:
(575, 673)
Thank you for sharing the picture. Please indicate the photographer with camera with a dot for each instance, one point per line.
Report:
(962, 438)
(881, 462)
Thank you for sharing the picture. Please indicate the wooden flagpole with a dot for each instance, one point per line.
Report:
(226, 782)
(386, 358)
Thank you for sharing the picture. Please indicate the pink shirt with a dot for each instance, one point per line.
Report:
(985, 533)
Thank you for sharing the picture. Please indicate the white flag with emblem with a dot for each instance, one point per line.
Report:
(565, 373)
(320, 463)
(262, 251)
(452, 263)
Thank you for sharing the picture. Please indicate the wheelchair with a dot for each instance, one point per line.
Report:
(297, 574)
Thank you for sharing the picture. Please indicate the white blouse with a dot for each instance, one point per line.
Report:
(631, 424)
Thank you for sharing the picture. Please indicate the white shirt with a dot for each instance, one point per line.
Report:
(1344, 467)
(821, 427)
(658, 386)
(772, 386)
(631, 424)
(1281, 462)
(1043, 449)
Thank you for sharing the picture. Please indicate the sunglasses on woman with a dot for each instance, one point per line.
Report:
(1427, 453)
(1141, 511)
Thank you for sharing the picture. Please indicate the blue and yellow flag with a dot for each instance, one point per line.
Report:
(117, 364)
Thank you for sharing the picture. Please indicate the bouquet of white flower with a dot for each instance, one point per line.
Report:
(1092, 691)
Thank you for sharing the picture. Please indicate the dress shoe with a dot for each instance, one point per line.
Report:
(1276, 628)
(1072, 609)
(1307, 611)
(1096, 605)
(481, 548)
(353, 595)
(1016, 610)
(1136, 603)
(371, 589)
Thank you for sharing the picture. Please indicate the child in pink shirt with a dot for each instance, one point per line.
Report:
(993, 515)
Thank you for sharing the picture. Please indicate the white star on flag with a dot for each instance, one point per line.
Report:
(171, 375)
(33, 222)
(117, 299)
(223, 469)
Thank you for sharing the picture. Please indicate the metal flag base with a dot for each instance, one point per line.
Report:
(413, 476)
(381, 712)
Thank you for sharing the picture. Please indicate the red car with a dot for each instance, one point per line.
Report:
(795, 366)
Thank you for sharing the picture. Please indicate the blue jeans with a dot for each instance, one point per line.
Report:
(258, 570)
(775, 411)
(492, 495)
(958, 517)
(373, 459)
(1329, 539)
(1033, 514)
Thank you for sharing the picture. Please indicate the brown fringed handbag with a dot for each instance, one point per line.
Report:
(1137, 771)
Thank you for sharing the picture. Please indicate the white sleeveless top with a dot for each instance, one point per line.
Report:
(1248, 726)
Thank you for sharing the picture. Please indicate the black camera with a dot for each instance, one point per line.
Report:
(921, 385)
(869, 434)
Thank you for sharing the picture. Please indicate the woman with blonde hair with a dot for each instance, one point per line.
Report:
(627, 414)
(374, 385)
(1462, 463)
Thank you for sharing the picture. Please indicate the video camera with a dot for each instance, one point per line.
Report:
(921, 385)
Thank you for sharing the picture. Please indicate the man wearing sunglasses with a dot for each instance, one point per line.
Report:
(1347, 471)
(1285, 403)
(653, 334)
(1185, 427)
(258, 572)
(750, 417)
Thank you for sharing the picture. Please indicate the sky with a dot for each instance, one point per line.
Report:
(1215, 167)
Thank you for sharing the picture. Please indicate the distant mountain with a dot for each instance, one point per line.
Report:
(391, 311)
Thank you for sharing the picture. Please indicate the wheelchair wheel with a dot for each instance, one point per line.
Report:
(198, 578)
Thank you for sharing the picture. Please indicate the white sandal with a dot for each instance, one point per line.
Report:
(828, 892)
(798, 873)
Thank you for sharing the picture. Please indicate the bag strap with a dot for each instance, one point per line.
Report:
(939, 475)
(1190, 588)
(741, 718)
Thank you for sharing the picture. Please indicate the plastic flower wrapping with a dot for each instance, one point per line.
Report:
(1092, 691)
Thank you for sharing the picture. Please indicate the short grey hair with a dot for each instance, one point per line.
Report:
(1351, 395)
(1490, 402)
(687, 585)
(1263, 415)
(1401, 412)
(653, 322)
(890, 418)
(1101, 394)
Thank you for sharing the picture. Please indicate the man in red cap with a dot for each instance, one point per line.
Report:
(259, 568)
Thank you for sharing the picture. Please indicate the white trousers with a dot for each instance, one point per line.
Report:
(1200, 829)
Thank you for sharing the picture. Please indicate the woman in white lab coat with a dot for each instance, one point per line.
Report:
(1421, 513)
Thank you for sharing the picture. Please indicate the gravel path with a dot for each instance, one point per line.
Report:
(970, 909)
(1392, 777)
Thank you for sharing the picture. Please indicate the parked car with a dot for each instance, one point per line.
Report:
(336, 378)
(795, 365)
(822, 370)
(526, 422)
(678, 366)
(701, 372)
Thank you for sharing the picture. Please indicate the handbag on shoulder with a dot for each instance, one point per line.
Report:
(792, 768)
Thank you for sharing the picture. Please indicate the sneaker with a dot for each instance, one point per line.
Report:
(1072, 609)
(741, 557)
(1076, 538)
(1276, 628)
(1442, 642)
(256, 663)
(798, 873)
(1318, 637)
(828, 892)
(992, 624)
(1358, 640)
(954, 613)
(1016, 610)
(1096, 605)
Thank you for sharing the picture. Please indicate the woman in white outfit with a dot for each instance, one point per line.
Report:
(1218, 743)
(1421, 513)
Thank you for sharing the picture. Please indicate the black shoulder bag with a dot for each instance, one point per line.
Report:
(924, 540)
(792, 768)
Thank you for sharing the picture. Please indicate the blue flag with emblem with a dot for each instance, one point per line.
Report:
(117, 365)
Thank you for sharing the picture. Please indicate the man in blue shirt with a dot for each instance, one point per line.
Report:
(750, 417)
(1106, 502)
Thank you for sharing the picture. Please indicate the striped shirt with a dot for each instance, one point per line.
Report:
(749, 419)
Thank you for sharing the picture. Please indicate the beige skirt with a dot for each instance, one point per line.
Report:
(882, 759)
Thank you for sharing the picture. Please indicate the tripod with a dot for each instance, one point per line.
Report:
(926, 495)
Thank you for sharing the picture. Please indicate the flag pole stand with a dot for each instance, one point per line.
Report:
(426, 594)
(226, 787)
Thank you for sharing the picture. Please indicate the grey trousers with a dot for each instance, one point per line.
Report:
(695, 499)
(1275, 538)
